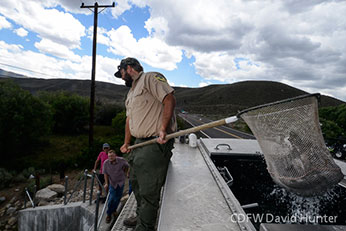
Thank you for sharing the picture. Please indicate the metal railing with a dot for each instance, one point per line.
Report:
(93, 176)
(27, 194)
(98, 220)
(66, 200)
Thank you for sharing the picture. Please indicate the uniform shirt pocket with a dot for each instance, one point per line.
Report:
(140, 100)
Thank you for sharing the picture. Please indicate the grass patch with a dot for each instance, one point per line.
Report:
(104, 132)
(60, 150)
(63, 152)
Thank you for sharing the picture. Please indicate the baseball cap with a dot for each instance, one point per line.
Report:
(124, 63)
(105, 145)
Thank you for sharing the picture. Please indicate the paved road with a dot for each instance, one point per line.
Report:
(217, 132)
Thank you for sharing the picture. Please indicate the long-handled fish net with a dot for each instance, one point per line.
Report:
(290, 137)
(291, 140)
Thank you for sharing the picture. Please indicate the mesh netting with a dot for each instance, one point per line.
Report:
(290, 137)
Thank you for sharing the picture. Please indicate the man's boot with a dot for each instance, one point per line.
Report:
(108, 219)
(130, 222)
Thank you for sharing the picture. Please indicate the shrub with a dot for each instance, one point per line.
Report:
(44, 182)
(5, 178)
(19, 178)
(333, 121)
(28, 171)
(118, 122)
(105, 113)
(330, 129)
(25, 120)
(88, 155)
(60, 164)
(341, 117)
(70, 111)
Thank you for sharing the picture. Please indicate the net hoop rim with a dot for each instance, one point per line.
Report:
(317, 95)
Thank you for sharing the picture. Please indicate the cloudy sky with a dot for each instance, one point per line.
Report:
(194, 43)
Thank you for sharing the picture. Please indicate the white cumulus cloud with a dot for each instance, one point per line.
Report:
(302, 42)
(48, 23)
(21, 32)
(150, 50)
(4, 23)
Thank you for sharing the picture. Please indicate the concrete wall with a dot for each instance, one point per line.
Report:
(55, 218)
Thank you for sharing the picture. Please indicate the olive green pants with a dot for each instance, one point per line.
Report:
(148, 172)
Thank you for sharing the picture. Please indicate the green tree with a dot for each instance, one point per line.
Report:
(25, 120)
(341, 116)
(106, 112)
(88, 155)
(118, 122)
(330, 129)
(333, 121)
(70, 111)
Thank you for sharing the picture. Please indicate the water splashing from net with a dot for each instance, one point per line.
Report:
(306, 210)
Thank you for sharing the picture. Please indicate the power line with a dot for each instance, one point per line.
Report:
(25, 69)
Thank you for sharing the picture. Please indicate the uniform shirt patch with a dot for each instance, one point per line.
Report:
(160, 78)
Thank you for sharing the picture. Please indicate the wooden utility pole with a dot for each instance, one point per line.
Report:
(93, 70)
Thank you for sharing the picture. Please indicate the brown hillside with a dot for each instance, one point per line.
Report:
(105, 92)
(214, 99)
(230, 98)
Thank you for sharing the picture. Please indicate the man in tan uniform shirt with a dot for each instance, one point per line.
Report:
(150, 114)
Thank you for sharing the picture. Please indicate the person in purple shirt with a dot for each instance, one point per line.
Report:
(115, 170)
(102, 157)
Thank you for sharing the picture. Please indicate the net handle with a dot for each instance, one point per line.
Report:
(220, 122)
(228, 120)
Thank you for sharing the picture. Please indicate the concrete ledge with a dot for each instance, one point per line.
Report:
(72, 216)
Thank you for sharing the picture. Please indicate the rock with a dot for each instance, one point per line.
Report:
(43, 203)
(28, 204)
(18, 204)
(13, 200)
(12, 221)
(2, 212)
(2, 199)
(45, 194)
(57, 188)
(10, 210)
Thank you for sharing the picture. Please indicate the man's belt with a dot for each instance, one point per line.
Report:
(140, 140)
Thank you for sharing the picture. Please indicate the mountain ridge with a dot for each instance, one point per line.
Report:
(213, 99)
